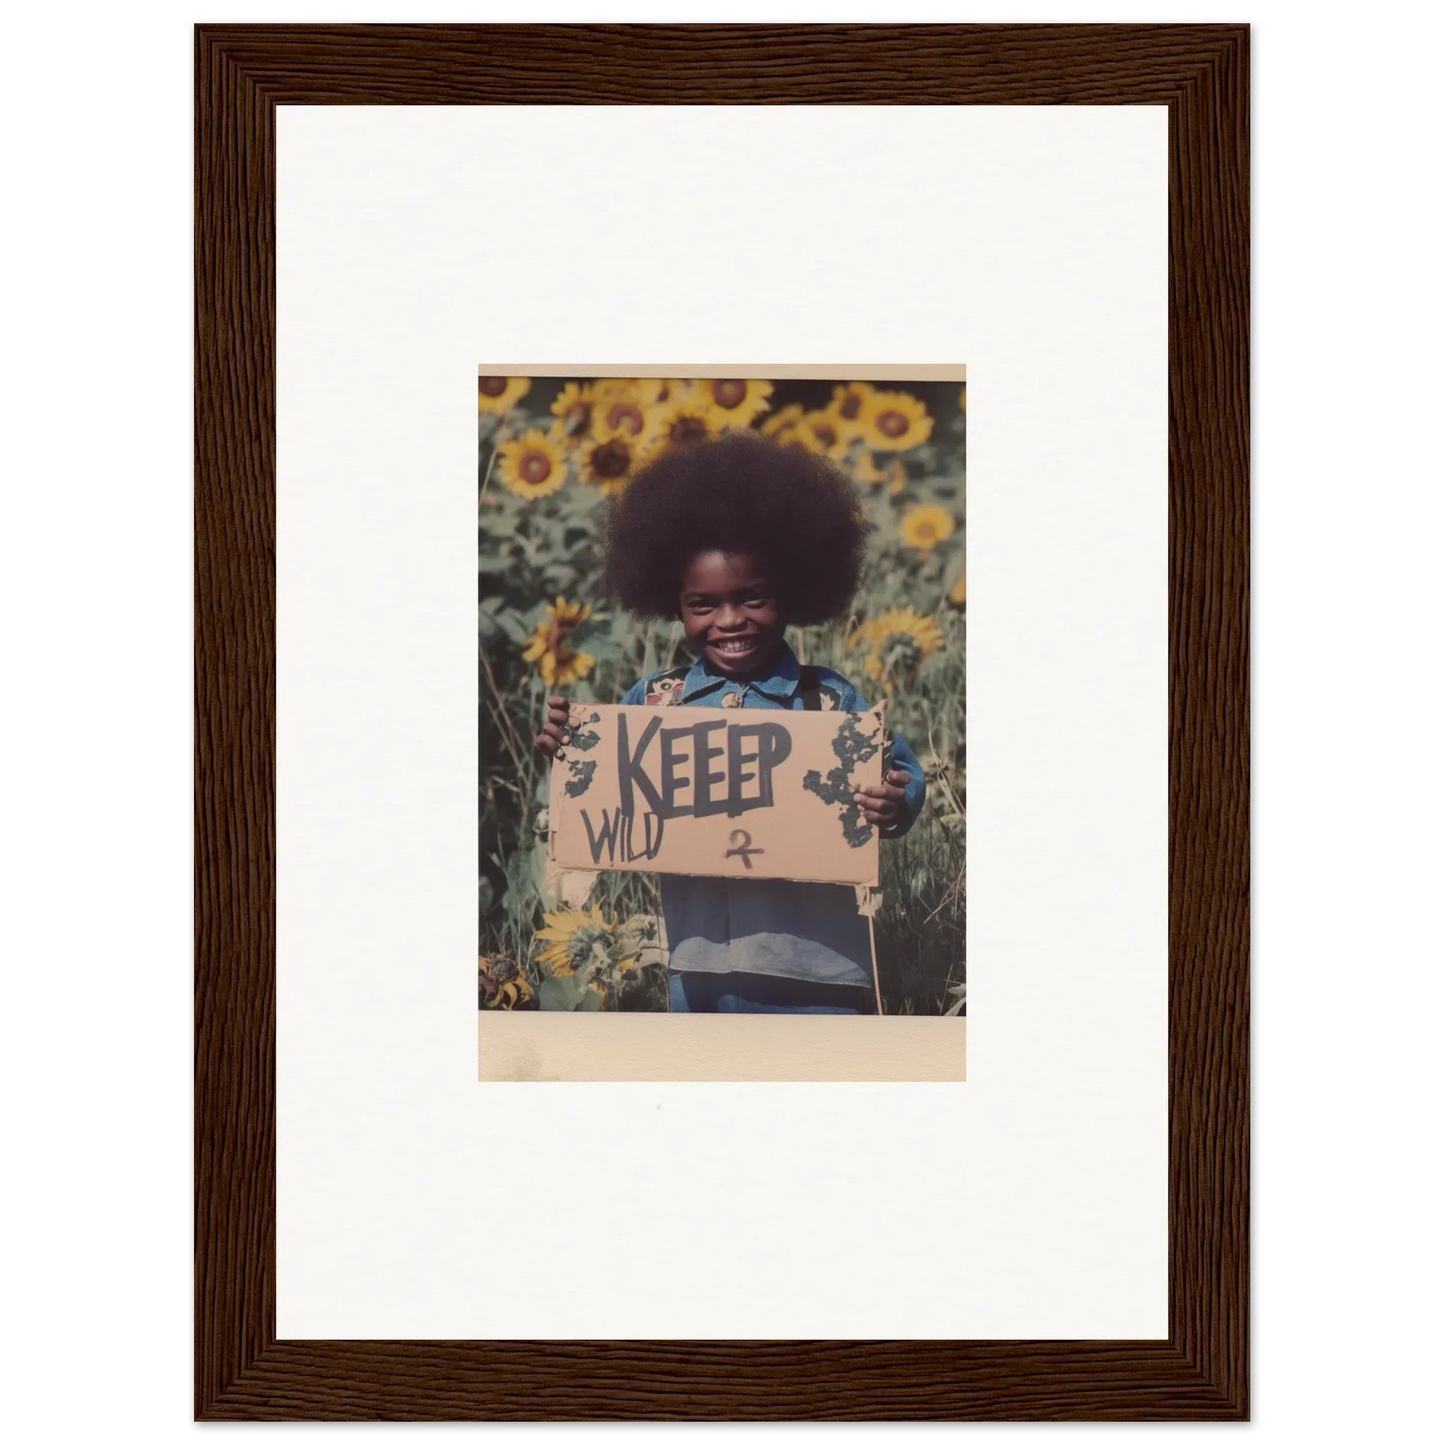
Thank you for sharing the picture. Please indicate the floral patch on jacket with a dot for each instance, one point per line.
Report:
(665, 690)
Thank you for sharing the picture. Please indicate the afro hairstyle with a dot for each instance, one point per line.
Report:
(790, 508)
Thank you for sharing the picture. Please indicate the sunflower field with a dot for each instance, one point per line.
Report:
(551, 451)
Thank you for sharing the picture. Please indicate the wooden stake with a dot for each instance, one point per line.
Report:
(873, 952)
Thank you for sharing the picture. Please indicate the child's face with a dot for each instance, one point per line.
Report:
(730, 614)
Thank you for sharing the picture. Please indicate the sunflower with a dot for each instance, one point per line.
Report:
(498, 394)
(626, 406)
(573, 410)
(688, 417)
(782, 424)
(896, 643)
(579, 937)
(549, 647)
(532, 465)
(850, 404)
(958, 593)
(501, 984)
(923, 528)
(735, 403)
(893, 421)
(607, 459)
(822, 432)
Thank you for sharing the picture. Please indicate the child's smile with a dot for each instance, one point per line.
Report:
(728, 611)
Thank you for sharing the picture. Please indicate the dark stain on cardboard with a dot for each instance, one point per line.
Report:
(584, 737)
(581, 779)
(851, 746)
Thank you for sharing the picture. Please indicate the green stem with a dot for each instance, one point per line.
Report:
(487, 477)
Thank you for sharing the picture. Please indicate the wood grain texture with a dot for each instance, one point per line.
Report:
(242, 73)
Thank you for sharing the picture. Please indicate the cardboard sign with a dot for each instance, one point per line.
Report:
(744, 793)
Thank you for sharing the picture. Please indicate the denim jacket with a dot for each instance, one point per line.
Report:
(810, 931)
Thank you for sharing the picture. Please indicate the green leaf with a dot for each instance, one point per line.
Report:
(563, 995)
(513, 626)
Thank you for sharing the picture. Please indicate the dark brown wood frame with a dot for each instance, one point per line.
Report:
(242, 1371)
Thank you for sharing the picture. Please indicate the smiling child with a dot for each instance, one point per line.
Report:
(740, 538)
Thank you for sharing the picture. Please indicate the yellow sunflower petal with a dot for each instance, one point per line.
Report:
(650, 390)
(865, 469)
(783, 423)
(577, 666)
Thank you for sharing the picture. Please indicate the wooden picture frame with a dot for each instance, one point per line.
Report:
(242, 1371)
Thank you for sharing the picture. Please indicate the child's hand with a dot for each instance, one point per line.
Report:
(883, 806)
(554, 730)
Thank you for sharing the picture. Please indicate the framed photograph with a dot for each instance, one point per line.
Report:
(852, 403)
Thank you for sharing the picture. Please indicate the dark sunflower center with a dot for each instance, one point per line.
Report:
(492, 385)
(555, 638)
(729, 393)
(610, 460)
(536, 467)
(904, 651)
(583, 942)
(850, 406)
(892, 423)
(624, 414)
(825, 434)
(688, 429)
(577, 418)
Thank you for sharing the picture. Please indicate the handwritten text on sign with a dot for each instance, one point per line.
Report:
(768, 794)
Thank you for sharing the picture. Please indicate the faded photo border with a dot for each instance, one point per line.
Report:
(557, 1046)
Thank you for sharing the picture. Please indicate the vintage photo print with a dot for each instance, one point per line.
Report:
(722, 703)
